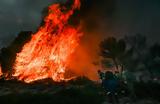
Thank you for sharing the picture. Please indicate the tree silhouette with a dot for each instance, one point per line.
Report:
(142, 53)
(153, 60)
(115, 50)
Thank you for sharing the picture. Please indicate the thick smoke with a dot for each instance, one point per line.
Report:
(93, 16)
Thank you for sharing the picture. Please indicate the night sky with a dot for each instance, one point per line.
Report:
(129, 17)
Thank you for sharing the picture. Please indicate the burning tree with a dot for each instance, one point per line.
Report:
(48, 52)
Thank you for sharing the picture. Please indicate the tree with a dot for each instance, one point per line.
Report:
(142, 53)
(153, 60)
(115, 50)
(139, 49)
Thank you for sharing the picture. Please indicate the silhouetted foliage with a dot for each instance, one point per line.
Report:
(131, 53)
(155, 50)
(116, 50)
(154, 58)
(138, 43)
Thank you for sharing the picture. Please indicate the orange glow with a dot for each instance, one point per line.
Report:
(48, 52)
(1, 70)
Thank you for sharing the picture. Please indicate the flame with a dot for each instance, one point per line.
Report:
(1, 70)
(48, 52)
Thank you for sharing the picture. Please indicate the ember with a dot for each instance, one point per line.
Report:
(47, 54)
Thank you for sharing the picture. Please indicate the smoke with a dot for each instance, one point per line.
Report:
(93, 15)
(116, 16)
(99, 19)
(104, 18)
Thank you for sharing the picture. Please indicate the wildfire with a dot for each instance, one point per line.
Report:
(1, 70)
(48, 52)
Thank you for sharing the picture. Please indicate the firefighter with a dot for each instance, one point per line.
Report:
(111, 84)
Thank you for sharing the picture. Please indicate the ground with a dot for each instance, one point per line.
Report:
(79, 91)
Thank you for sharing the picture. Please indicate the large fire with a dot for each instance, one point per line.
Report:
(48, 52)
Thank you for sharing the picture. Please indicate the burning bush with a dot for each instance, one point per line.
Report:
(48, 52)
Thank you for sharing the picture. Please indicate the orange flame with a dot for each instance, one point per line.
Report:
(1, 70)
(48, 52)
